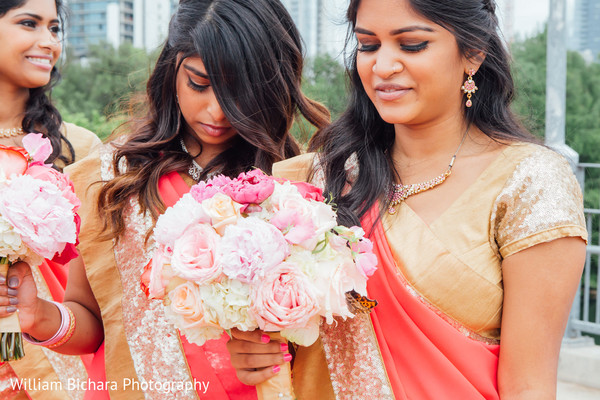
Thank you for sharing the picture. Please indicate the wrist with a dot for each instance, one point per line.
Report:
(46, 320)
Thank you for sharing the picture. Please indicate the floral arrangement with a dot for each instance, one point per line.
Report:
(38, 219)
(255, 252)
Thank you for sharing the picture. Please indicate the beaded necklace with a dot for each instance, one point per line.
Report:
(401, 192)
(10, 132)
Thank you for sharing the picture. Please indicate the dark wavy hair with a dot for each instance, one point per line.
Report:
(40, 114)
(361, 131)
(252, 53)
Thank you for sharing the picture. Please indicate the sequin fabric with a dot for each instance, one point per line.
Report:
(355, 365)
(541, 201)
(153, 342)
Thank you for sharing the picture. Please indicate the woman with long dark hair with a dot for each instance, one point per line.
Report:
(30, 33)
(222, 98)
(479, 231)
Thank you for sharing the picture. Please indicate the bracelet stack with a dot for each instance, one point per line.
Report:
(64, 333)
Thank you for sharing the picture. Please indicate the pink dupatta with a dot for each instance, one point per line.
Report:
(210, 362)
(425, 356)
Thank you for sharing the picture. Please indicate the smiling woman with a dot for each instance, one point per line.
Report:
(30, 33)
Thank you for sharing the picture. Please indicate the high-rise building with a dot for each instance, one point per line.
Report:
(321, 24)
(586, 28)
(143, 23)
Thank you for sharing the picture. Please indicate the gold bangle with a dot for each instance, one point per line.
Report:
(69, 333)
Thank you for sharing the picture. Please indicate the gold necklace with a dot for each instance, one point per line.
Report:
(401, 192)
(10, 132)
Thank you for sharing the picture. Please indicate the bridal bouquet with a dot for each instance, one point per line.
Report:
(256, 252)
(38, 219)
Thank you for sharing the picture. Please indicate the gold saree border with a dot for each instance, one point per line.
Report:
(103, 277)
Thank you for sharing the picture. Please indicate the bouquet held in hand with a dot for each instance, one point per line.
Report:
(38, 219)
(256, 252)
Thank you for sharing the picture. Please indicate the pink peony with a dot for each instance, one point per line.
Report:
(308, 191)
(171, 225)
(155, 278)
(194, 254)
(250, 188)
(284, 299)
(13, 160)
(205, 190)
(39, 213)
(38, 147)
(365, 260)
(61, 181)
(251, 248)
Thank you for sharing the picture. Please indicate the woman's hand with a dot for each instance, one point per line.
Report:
(255, 356)
(18, 291)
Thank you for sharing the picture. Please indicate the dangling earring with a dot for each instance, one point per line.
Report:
(469, 87)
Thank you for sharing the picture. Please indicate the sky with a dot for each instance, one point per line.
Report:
(530, 15)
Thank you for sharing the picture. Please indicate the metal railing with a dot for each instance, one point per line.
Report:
(585, 313)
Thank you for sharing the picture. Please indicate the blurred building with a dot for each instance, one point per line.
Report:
(143, 23)
(321, 24)
(586, 29)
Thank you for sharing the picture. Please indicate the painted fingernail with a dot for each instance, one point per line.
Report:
(284, 347)
(2, 279)
(276, 369)
(287, 357)
(11, 309)
(12, 292)
(265, 338)
(13, 301)
(13, 282)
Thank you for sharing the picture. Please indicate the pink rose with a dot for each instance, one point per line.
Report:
(156, 277)
(38, 147)
(194, 254)
(251, 188)
(309, 191)
(60, 180)
(295, 228)
(251, 248)
(284, 299)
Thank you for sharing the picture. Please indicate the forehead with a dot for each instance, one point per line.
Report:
(43, 8)
(388, 14)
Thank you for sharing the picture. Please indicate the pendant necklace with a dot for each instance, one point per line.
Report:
(401, 192)
(195, 170)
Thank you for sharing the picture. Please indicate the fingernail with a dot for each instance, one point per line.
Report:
(2, 279)
(11, 309)
(265, 338)
(276, 369)
(284, 347)
(13, 301)
(287, 357)
(12, 292)
(13, 282)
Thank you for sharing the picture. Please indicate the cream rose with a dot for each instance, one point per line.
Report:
(222, 211)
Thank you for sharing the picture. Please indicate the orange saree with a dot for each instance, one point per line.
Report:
(417, 345)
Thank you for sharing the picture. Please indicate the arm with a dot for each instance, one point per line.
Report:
(41, 319)
(539, 285)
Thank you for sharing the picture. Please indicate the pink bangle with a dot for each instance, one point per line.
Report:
(66, 324)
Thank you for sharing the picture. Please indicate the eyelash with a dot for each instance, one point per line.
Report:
(196, 87)
(29, 23)
(411, 49)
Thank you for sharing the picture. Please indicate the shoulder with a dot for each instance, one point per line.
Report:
(296, 168)
(82, 140)
(534, 159)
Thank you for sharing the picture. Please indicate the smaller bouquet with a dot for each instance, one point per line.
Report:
(38, 219)
(256, 252)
